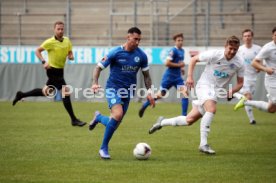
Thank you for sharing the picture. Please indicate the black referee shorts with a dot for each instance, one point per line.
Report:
(55, 78)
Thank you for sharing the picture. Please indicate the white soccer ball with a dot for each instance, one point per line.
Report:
(142, 151)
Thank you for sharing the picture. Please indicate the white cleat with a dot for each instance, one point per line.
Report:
(104, 154)
(156, 126)
(206, 149)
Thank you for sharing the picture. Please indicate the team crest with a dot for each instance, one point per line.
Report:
(137, 59)
(113, 101)
(232, 66)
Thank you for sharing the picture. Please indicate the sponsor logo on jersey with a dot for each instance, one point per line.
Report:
(247, 61)
(130, 68)
(122, 60)
(220, 74)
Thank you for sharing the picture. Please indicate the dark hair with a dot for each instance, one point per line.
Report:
(248, 30)
(134, 30)
(273, 30)
(232, 40)
(178, 35)
(58, 23)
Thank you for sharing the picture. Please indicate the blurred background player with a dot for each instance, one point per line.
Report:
(125, 61)
(267, 54)
(172, 75)
(221, 66)
(248, 52)
(58, 48)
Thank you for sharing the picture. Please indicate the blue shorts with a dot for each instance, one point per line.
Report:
(114, 98)
(166, 84)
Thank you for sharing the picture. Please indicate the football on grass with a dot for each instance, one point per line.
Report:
(142, 151)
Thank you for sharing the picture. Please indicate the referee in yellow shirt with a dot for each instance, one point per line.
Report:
(58, 48)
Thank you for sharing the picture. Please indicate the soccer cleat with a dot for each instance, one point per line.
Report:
(104, 154)
(77, 122)
(253, 122)
(156, 126)
(206, 149)
(240, 104)
(94, 122)
(141, 111)
(17, 97)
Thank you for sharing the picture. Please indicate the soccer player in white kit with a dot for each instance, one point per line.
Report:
(248, 52)
(221, 66)
(267, 54)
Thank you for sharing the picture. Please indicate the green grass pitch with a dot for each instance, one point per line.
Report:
(39, 145)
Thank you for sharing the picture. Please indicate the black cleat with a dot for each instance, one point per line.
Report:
(141, 112)
(77, 122)
(94, 122)
(253, 122)
(17, 97)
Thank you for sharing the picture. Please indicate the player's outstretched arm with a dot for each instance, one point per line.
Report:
(190, 80)
(257, 64)
(96, 74)
(148, 83)
(70, 55)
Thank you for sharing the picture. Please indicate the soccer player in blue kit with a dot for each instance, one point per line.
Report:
(125, 61)
(172, 76)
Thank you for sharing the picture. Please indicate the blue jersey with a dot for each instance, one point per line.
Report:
(124, 66)
(175, 55)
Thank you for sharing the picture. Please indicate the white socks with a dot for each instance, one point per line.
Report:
(249, 112)
(205, 127)
(238, 95)
(261, 105)
(176, 121)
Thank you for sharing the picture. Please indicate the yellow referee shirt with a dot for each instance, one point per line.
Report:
(57, 51)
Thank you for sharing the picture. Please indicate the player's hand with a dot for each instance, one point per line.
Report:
(46, 66)
(182, 71)
(95, 88)
(190, 83)
(184, 90)
(269, 70)
(150, 97)
(70, 55)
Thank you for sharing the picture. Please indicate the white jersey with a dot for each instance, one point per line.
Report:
(248, 55)
(268, 53)
(219, 71)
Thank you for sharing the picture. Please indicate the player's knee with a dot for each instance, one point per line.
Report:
(49, 91)
(190, 120)
(163, 93)
(271, 109)
(118, 116)
(212, 110)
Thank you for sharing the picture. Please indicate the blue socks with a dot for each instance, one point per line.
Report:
(109, 130)
(147, 103)
(184, 104)
(103, 119)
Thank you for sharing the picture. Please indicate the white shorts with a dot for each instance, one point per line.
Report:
(199, 107)
(271, 93)
(248, 87)
(205, 92)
